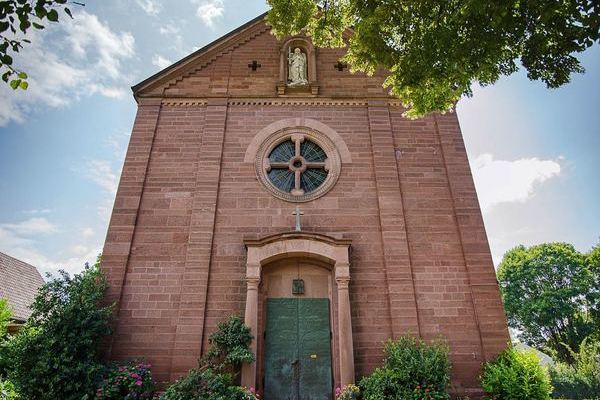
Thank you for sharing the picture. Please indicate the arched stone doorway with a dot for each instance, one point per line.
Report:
(309, 275)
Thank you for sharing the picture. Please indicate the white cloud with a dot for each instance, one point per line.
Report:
(160, 61)
(79, 57)
(209, 10)
(31, 226)
(169, 29)
(37, 211)
(90, 37)
(101, 173)
(87, 232)
(117, 143)
(502, 181)
(19, 240)
(80, 249)
(150, 7)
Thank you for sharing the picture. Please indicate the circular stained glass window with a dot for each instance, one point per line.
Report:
(298, 166)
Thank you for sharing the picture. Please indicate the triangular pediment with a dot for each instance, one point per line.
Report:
(201, 58)
(223, 68)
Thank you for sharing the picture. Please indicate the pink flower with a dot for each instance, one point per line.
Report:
(252, 390)
(134, 375)
(139, 383)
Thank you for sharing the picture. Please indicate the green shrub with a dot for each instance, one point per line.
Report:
(7, 391)
(129, 381)
(215, 376)
(230, 343)
(516, 375)
(348, 392)
(55, 356)
(582, 379)
(410, 365)
(204, 384)
(5, 317)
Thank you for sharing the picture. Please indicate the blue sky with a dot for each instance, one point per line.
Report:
(534, 152)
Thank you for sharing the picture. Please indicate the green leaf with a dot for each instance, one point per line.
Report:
(68, 12)
(37, 26)
(14, 84)
(22, 75)
(6, 59)
(24, 85)
(52, 15)
(40, 11)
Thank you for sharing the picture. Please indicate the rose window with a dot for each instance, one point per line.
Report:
(298, 166)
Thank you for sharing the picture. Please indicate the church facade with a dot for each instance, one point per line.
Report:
(264, 179)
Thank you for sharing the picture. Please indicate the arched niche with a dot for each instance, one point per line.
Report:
(307, 47)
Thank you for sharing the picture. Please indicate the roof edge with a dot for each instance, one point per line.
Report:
(137, 87)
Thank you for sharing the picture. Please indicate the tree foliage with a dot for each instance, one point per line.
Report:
(516, 374)
(549, 296)
(55, 356)
(436, 50)
(5, 317)
(17, 17)
(582, 379)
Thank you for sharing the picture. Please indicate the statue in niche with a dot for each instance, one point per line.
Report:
(297, 68)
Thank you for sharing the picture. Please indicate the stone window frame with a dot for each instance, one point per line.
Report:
(333, 162)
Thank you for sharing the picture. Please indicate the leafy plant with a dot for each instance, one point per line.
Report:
(214, 377)
(127, 382)
(230, 343)
(348, 392)
(582, 379)
(409, 364)
(551, 296)
(205, 383)
(436, 50)
(5, 317)
(428, 393)
(7, 391)
(56, 355)
(516, 375)
(17, 17)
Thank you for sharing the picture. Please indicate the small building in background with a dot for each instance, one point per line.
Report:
(19, 283)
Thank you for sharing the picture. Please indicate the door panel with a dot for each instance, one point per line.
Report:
(281, 352)
(298, 350)
(314, 349)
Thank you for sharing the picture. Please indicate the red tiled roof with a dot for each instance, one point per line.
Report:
(19, 283)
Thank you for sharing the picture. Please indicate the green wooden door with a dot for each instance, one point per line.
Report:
(298, 350)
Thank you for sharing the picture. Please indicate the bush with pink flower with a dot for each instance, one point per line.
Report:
(131, 381)
(249, 393)
(348, 392)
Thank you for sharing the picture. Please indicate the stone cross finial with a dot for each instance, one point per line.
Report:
(298, 213)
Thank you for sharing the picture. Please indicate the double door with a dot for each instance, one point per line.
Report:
(298, 349)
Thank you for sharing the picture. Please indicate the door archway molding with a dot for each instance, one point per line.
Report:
(334, 252)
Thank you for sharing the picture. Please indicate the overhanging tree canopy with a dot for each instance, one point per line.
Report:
(436, 50)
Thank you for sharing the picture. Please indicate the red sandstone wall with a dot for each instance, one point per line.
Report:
(174, 253)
